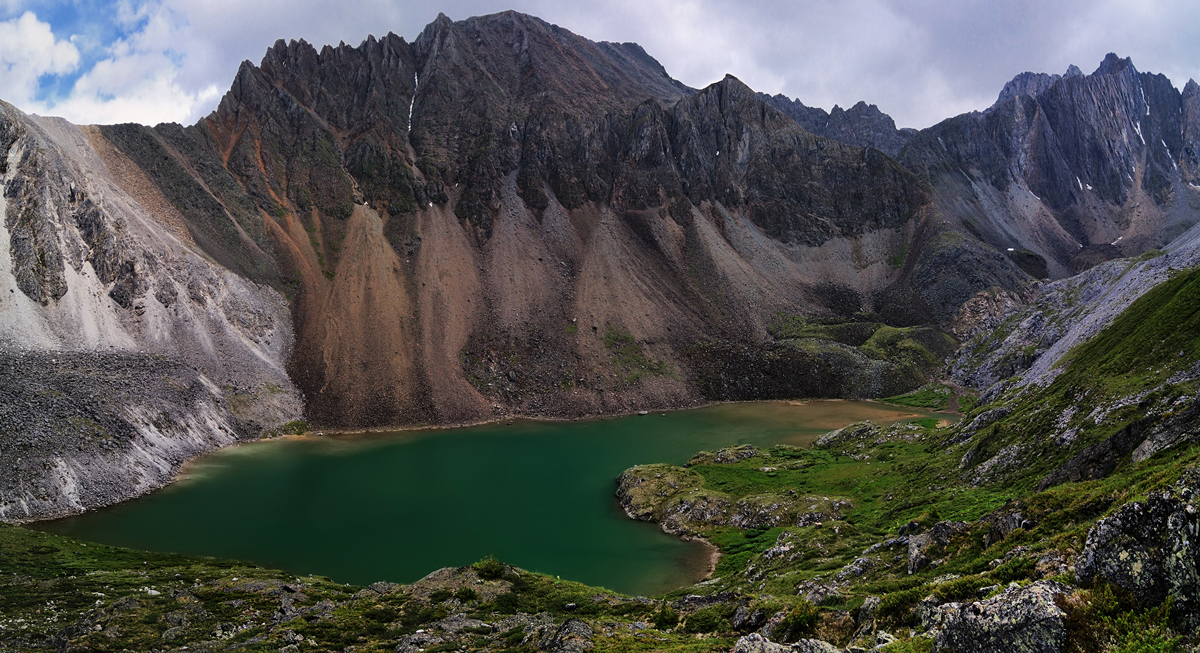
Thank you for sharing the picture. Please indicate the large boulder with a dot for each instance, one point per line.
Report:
(1020, 620)
(1149, 548)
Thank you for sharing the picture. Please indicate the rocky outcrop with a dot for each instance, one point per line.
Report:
(756, 643)
(574, 636)
(862, 125)
(1020, 620)
(123, 350)
(922, 546)
(1149, 548)
(675, 498)
(861, 439)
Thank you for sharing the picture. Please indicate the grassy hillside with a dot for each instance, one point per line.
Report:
(856, 541)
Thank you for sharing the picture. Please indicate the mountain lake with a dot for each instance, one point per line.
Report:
(394, 506)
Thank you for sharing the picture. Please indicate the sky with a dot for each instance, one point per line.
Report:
(921, 61)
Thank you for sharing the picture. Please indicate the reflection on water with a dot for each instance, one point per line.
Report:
(395, 506)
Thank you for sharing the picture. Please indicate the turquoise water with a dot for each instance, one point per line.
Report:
(396, 506)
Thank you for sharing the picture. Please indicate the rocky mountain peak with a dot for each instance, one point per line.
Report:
(862, 125)
(1073, 71)
(1113, 65)
(1027, 83)
(1079, 162)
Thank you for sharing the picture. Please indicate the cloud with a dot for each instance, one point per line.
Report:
(137, 78)
(28, 52)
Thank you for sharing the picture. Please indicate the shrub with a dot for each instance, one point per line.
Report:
(706, 620)
(466, 594)
(489, 568)
(801, 621)
(666, 618)
(1015, 569)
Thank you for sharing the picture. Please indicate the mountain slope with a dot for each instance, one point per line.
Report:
(123, 350)
(1069, 171)
(501, 204)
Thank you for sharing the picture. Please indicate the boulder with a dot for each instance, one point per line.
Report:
(574, 636)
(1020, 620)
(1149, 548)
(920, 546)
(755, 643)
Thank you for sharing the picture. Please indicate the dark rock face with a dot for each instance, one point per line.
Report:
(862, 125)
(1149, 549)
(33, 241)
(509, 178)
(1074, 169)
(1021, 620)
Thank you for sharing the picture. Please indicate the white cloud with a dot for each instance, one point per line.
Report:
(136, 80)
(148, 99)
(28, 50)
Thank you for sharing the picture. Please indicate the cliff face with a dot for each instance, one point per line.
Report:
(862, 125)
(503, 216)
(123, 350)
(1075, 169)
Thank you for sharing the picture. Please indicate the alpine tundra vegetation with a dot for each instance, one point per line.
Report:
(503, 219)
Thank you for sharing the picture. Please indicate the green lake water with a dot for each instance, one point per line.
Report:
(361, 508)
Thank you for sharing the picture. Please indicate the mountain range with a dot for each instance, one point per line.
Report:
(502, 218)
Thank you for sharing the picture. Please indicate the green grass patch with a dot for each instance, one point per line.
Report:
(932, 397)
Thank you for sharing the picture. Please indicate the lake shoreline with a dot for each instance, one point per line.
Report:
(719, 424)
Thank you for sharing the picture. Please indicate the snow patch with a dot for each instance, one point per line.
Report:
(1079, 182)
(1138, 128)
(413, 102)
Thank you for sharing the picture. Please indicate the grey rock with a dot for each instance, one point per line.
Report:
(746, 619)
(756, 643)
(932, 613)
(866, 619)
(820, 592)
(921, 545)
(1000, 524)
(1149, 548)
(418, 642)
(574, 636)
(1021, 620)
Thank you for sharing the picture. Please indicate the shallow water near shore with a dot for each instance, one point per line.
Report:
(395, 506)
